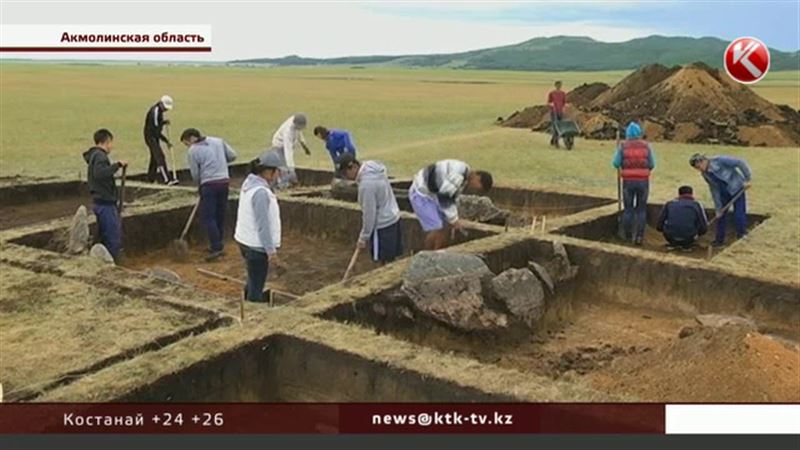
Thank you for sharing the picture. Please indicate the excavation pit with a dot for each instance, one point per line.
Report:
(626, 326)
(238, 172)
(318, 240)
(281, 368)
(605, 229)
(28, 204)
(522, 204)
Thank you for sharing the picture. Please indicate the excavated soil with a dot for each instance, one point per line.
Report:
(693, 103)
(310, 263)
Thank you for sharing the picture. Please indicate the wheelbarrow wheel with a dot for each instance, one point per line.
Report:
(569, 141)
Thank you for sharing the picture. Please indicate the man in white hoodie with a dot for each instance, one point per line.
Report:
(258, 223)
(380, 221)
(433, 197)
(287, 137)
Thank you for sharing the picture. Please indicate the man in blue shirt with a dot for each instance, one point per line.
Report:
(338, 142)
(727, 178)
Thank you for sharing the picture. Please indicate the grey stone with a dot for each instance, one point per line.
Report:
(164, 274)
(522, 294)
(100, 252)
(543, 275)
(435, 264)
(78, 237)
(561, 268)
(457, 301)
(721, 320)
(480, 209)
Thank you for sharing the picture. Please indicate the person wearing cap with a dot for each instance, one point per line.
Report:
(285, 139)
(154, 123)
(728, 178)
(258, 223)
(380, 215)
(208, 159)
(337, 142)
(634, 159)
(682, 220)
(433, 195)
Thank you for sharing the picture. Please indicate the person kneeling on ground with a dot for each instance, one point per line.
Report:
(208, 163)
(433, 197)
(727, 178)
(380, 215)
(682, 220)
(258, 223)
(635, 160)
(104, 190)
(338, 143)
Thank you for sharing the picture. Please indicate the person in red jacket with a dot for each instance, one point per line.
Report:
(556, 99)
(634, 159)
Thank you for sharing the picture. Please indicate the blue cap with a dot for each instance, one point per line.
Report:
(633, 131)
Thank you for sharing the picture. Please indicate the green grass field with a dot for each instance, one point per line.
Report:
(404, 117)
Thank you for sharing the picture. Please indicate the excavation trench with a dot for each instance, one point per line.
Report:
(238, 172)
(27, 204)
(605, 229)
(626, 326)
(317, 243)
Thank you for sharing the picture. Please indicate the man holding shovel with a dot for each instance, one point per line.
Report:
(433, 196)
(154, 123)
(100, 176)
(380, 215)
(208, 159)
(727, 178)
(635, 160)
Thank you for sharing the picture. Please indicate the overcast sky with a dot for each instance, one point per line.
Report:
(314, 29)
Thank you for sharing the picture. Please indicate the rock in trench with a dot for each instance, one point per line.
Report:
(721, 320)
(480, 209)
(522, 294)
(165, 274)
(79, 237)
(436, 264)
(100, 252)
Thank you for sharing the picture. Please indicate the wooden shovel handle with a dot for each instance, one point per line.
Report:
(191, 219)
(352, 264)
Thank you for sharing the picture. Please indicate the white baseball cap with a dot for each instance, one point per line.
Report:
(166, 100)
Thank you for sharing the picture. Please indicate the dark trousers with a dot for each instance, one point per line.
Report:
(675, 241)
(213, 204)
(554, 117)
(157, 170)
(634, 197)
(109, 227)
(257, 264)
(739, 216)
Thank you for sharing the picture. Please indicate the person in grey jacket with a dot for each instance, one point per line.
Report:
(380, 222)
(208, 159)
(727, 178)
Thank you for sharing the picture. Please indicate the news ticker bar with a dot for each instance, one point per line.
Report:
(72, 38)
(396, 418)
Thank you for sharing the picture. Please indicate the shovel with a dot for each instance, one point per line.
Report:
(172, 156)
(180, 248)
(725, 208)
(352, 264)
(121, 204)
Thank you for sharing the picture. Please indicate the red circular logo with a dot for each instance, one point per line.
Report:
(746, 60)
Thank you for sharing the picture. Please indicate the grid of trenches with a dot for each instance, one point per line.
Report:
(238, 172)
(634, 327)
(31, 203)
(318, 239)
(607, 229)
(507, 206)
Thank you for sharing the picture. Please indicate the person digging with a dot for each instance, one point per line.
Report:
(286, 138)
(635, 160)
(380, 215)
(103, 188)
(682, 220)
(154, 123)
(728, 178)
(258, 223)
(433, 195)
(208, 159)
(338, 143)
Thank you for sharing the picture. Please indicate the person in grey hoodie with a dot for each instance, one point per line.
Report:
(380, 220)
(208, 159)
(258, 223)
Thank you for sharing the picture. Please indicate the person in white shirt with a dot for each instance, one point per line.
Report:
(258, 223)
(285, 140)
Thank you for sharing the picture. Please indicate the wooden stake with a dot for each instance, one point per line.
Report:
(544, 224)
(241, 307)
(533, 224)
(710, 252)
(352, 264)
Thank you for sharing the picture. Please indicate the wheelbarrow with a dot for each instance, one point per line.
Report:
(566, 129)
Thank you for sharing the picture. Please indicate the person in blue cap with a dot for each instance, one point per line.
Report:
(634, 160)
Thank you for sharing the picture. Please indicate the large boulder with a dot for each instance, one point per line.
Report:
(560, 266)
(455, 300)
(543, 275)
(480, 209)
(436, 264)
(99, 251)
(78, 237)
(521, 292)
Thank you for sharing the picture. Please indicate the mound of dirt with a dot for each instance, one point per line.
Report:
(693, 103)
(726, 364)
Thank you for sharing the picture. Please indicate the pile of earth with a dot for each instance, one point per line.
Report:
(693, 103)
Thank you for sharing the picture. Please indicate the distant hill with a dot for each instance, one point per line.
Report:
(567, 53)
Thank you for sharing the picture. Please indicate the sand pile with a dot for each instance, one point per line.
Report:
(693, 103)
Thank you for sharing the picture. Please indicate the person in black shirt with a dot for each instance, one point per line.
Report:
(154, 123)
(682, 220)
